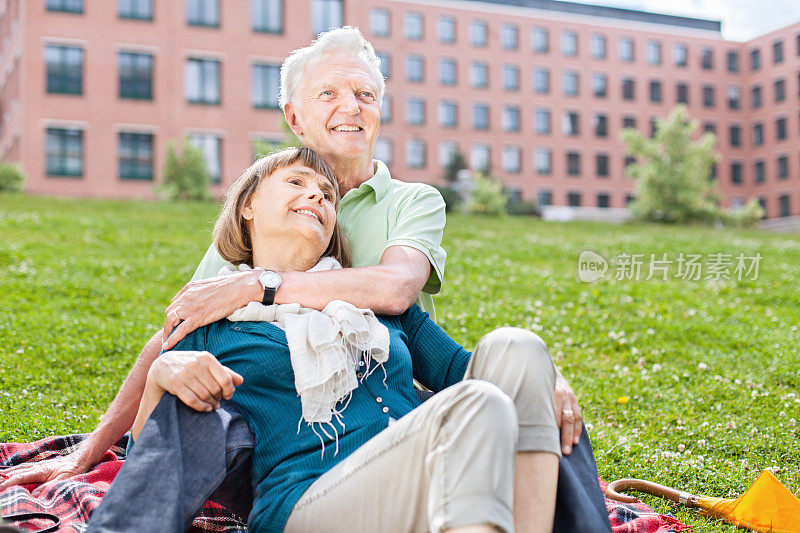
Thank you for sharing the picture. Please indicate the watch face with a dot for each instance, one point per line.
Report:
(270, 278)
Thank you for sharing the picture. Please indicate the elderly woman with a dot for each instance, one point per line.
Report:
(341, 440)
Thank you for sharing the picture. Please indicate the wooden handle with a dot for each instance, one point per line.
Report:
(648, 487)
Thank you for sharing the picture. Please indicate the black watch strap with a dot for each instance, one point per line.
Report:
(269, 295)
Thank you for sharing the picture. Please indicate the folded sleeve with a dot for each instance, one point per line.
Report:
(420, 225)
(210, 265)
(438, 361)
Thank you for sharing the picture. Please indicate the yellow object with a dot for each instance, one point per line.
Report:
(767, 506)
(623, 400)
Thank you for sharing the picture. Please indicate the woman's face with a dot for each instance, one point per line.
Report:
(294, 203)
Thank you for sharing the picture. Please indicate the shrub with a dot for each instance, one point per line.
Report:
(746, 216)
(523, 208)
(185, 174)
(487, 197)
(452, 199)
(11, 177)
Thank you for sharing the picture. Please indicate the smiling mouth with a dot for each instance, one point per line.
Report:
(349, 129)
(308, 213)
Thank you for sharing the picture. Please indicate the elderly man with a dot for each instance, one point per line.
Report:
(395, 229)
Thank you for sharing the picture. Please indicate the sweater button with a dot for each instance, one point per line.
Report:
(379, 399)
(359, 375)
(385, 409)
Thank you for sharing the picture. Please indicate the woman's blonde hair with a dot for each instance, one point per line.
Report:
(231, 235)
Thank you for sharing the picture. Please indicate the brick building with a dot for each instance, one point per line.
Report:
(92, 91)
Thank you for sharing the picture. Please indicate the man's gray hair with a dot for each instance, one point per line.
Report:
(345, 40)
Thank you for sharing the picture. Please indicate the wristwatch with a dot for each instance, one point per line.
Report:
(270, 280)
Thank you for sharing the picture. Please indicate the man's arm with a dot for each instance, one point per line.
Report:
(390, 287)
(117, 420)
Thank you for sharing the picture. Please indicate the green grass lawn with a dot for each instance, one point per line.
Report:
(711, 368)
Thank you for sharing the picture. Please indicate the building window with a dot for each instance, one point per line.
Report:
(654, 52)
(758, 134)
(628, 161)
(708, 95)
(574, 199)
(755, 96)
(512, 159)
(541, 80)
(386, 109)
(736, 173)
(479, 75)
(777, 52)
(447, 30)
(653, 127)
(780, 129)
(735, 135)
(541, 40)
(710, 127)
(202, 13)
(600, 122)
(511, 77)
(415, 68)
(511, 118)
(543, 161)
(629, 122)
(680, 54)
(628, 89)
(135, 156)
(598, 46)
(733, 61)
(542, 121)
(66, 6)
(380, 22)
(570, 83)
(261, 146)
(447, 71)
(734, 97)
(135, 75)
(416, 153)
(569, 43)
(64, 155)
(570, 123)
(480, 116)
(266, 85)
(682, 93)
(415, 111)
(325, 14)
(64, 69)
(479, 157)
(603, 200)
(783, 205)
(707, 58)
(780, 90)
(544, 197)
(626, 50)
(599, 85)
(509, 36)
(384, 151)
(135, 9)
(478, 33)
(783, 167)
(448, 114)
(201, 84)
(655, 91)
(447, 150)
(267, 15)
(601, 164)
(386, 64)
(755, 59)
(759, 172)
(211, 147)
(413, 26)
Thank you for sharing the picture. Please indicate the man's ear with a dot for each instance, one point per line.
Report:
(292, 118)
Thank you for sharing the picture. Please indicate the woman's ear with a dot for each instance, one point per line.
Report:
(247, 209)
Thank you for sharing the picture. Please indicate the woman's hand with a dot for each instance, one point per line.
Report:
(568, 414)
(53, 469)
(196, 378)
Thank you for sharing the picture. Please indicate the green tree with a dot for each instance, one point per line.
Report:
(673, 172)
(457, 162)
(487, 196)
(185, 173)
(11, 177)
(290, 140)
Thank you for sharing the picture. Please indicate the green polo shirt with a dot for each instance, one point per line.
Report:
(382, 212)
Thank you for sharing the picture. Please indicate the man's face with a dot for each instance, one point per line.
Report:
(336, 111)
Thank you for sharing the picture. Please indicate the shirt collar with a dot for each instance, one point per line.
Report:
(379, 182)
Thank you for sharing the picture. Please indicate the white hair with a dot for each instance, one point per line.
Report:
(347, 40)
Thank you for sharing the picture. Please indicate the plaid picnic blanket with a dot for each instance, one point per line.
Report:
(74, 499)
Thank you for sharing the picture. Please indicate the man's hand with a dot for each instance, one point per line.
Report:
(205, 301)
(44, 471)
(568, 414)
(196, 378)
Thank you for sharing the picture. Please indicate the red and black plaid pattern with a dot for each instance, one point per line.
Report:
(74, 499)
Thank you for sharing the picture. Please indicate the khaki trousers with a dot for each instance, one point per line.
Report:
(449, 462)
